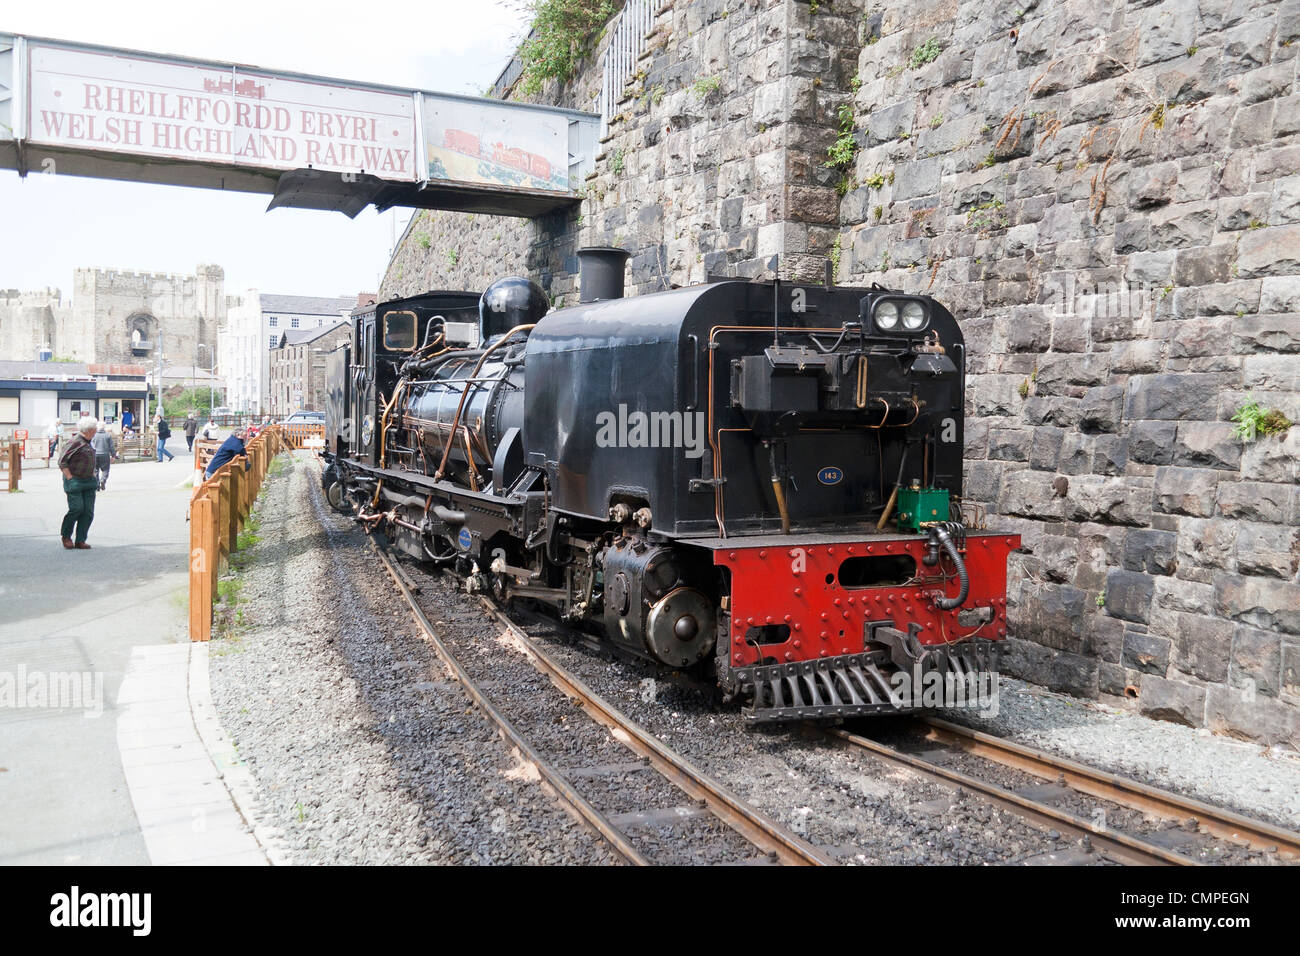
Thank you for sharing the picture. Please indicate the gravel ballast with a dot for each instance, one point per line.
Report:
(363, 750)
(1259, 781)
(367, 753)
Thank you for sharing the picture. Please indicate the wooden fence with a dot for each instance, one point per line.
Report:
(221, 505)
(217, 513)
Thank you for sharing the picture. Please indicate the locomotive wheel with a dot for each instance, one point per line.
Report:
(334, 495)
(681, 627)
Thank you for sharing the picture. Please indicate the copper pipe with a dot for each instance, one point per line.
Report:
(780, 504)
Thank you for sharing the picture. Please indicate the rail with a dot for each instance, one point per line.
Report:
(1133, 794)
(760, 831)
(217, 513)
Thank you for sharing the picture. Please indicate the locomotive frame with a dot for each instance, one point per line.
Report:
(707, 474)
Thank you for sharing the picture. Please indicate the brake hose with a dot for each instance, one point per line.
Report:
(947, 603)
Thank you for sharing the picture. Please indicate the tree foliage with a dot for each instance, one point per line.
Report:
(563, 33)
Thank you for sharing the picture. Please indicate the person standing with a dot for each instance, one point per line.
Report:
(191, 426)
(78, 466)
(164, 433)
(52, 435)
(105, 451)
(128, 422)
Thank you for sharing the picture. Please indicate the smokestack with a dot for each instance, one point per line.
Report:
(600, 273)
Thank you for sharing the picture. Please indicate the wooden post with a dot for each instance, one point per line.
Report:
(201, 569)
(15, 464)
(224, 538)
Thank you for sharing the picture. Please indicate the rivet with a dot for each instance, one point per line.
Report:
(822, 654)
(798, 591)
(762, 554)
(787, 619)
(749, 620)
(737, 658)
(797, 644)
(850, 550)
(789, 656)
(830, 550)
(825, 616)
(733, 556)
(798, 626)
(837, 602)
(768, 620)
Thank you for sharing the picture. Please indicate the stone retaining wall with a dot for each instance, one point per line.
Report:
(1108, 197)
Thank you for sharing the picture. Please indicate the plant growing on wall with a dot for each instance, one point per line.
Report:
(563, 32)
(1254, 420)
(841, 152)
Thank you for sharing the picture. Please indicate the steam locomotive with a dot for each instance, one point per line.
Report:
(760, 481)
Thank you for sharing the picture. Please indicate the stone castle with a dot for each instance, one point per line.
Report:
(117, 317)
(1107, 195)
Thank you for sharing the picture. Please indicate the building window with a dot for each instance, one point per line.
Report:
(293, 323)
(271, 342)
(273, 321)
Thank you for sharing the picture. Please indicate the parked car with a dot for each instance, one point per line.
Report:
(305, 418)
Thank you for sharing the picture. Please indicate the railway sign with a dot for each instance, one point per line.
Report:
(314, 142)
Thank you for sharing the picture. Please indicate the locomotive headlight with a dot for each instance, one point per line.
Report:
(913, 316)
(886, 315)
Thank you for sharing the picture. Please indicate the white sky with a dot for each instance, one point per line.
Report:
(51, 224)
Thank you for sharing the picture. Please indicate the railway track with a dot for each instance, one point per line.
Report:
(1066, 781)
(619, 830)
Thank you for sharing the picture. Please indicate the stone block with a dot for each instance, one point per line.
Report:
(1030, 494)
(1272, 251)
(1128, 595)
(1255, 500)
(1264, 603)
(1202, 646)
(1152, 443)
(1272, 550)
(1207, 445)
(1251, 717)
(1171, 397)
(1150, 551)
(1146, 653)
(1186, 491)
(1101, 408)
(1172, 700)
(1109, 500)
(1256, 660)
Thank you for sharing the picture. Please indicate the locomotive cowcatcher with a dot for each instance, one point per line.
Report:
(759, 481)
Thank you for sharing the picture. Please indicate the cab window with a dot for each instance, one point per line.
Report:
(399, 331)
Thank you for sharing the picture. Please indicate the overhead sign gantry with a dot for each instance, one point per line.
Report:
(312, 142)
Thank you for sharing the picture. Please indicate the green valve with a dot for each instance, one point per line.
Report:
(918, 507)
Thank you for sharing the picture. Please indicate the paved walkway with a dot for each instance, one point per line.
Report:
(71, 625)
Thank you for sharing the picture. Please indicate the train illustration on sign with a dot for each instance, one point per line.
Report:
(250, 88)
(510, 157)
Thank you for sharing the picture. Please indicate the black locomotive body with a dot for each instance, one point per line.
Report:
(759, 480)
